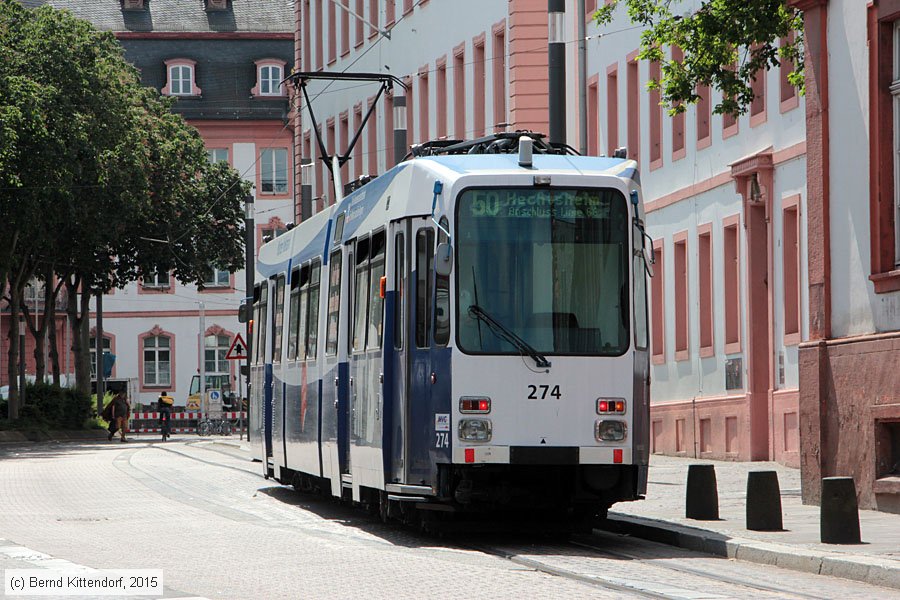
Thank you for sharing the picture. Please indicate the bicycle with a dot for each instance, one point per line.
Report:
(207, 426)
(166, 421)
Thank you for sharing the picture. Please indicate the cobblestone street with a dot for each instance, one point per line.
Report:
(201, 512)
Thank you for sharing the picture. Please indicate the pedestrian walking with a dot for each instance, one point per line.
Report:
(165, 403)
(120, 411)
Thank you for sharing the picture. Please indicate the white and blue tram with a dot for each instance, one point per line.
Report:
(465, 333)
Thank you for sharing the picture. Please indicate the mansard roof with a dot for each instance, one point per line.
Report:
(269, 16)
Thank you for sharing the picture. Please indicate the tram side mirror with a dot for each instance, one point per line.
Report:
(243, 312)
(443, 259)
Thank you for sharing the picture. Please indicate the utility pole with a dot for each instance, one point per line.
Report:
(306, 167)
(203, 404)
(98, 347)
(582, 80)
(399, 129)
(21, 401)
(249, 281)
(556, 55)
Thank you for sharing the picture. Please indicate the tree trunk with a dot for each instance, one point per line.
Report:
(80, 331)
(13, 356)
(50, 308)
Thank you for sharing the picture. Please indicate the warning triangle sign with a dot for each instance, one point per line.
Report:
(238, 350)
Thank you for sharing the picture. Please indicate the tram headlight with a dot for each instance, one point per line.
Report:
(610, 431)
(475, 430)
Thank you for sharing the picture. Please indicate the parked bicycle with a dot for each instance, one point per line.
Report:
(207, 426)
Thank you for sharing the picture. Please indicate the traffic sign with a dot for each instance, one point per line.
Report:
(238, 350)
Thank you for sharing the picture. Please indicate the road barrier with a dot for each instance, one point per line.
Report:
(179, 422)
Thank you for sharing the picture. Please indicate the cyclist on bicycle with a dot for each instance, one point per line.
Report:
(165, 413)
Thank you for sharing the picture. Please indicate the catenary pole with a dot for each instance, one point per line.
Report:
(556, 59)
(249, 280)
(582, 79)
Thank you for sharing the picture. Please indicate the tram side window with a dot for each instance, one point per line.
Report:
(261, 322)
(295, 313)
(312, 326)
(277, 321)
(302, 308)
(254, 330)
(376, 300)
(424, 268)
(400, 287)
(442, 297)
(360, 295)
(640, 303)
(334, 304)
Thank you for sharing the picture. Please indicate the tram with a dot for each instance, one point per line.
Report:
(465, 334)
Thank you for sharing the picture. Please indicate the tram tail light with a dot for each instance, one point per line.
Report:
(474, 404)
(611, 405)
(382, 286)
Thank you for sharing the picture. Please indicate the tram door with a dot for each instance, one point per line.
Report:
(335, 382)
(396, 351)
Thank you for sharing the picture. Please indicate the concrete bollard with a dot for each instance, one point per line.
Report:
(839, 523)
(702, 501)
(763, 501)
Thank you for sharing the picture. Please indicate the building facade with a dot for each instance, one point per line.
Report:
(850, 383)
(224, 62)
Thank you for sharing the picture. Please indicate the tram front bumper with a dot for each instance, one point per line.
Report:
(542, 455)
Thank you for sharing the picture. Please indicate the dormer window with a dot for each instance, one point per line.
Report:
(269, 73)
(216, 4)
(133, 4)
(181, 78)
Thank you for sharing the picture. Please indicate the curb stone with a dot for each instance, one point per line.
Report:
(867, 569)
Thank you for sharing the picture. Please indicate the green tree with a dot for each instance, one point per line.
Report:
(726, 44)
(94, 168)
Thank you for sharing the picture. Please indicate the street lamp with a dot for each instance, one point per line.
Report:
(399, 129)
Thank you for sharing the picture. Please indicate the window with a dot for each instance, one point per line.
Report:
(407, 6)
(704, 246)
(788, 94)
(107, 347)
(390, 12)
(499, 76)
(655, 112)
(278, 319)
(459, 92)
(424, 269)
(334, 304)
(332, 32)
(269, 83)
(376, 292)
(373, 16)
(704, 138)
(262, 308)
(181, 78)
(359, 24)
(791, 269)
(217, 278)
(157, 361)
(345, 28)
(320, 33)
(312, 323)
(633, 91)
(307, 59)
(372, 127)
(478, 84)
(593, 123)
(297, 324)
(273, 170)
(357, 149)
(344, 141)
(215, 349)
(682, 307)
(657, 297)
(388, 134)
(612, 108)
(441, 104)
(442, 295)
(678, 150)
(423, 104)
(215, 155)
(731, 278)
(758, 104)
(360, 295)
(158, 280)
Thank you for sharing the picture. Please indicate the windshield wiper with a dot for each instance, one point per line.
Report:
(476, 312)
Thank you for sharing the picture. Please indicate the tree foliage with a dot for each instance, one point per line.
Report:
(96, 170)
(726, 44)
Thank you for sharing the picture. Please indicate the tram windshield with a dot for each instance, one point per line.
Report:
(550, 265)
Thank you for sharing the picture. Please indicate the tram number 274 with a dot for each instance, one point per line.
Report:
(443, 440)
(541, 392)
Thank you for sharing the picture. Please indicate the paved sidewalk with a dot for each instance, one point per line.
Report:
(661, 517)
